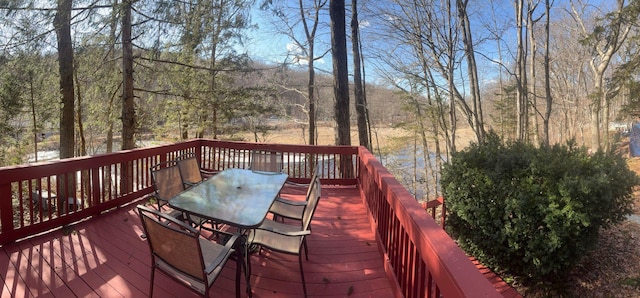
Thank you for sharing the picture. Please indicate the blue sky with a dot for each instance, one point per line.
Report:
(266, 45)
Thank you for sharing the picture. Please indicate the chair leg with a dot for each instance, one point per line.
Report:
(244, 258)
(153, 270)
(239, 265)
(304, 284)
(306, 251)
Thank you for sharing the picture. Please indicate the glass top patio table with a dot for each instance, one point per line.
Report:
(237, 197)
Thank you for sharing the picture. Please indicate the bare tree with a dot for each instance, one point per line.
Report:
(360, 95)
(427, 43)
(604, 41)
(307, 16)
(472, 68)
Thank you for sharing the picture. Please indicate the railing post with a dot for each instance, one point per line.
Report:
(97, 187)
(346, 166)
(197, 151)
(6, 208)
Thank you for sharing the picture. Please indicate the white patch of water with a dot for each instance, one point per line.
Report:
(634, 218)
(44, 156)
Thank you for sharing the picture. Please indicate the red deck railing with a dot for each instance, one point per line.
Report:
(420, 258)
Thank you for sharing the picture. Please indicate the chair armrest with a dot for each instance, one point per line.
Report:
(159, 201)
(231, 242)
(208, 173)
(291, 202)
(266, 172)
(297, 184)
(189, 184)
(228, 249)
(292, 234)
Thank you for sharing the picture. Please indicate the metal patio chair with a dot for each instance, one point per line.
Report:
(266, 160)
(294, 209)
(179, 251)
(286, 238)
(190, 171)
(167, 183)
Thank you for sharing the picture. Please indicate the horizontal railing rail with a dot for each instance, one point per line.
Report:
(337, 163)
(420, 256)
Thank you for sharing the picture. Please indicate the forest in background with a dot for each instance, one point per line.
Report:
(102, 75)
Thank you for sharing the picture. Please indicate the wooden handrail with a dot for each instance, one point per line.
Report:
(422, 259)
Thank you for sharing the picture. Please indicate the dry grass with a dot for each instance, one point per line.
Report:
(384, 139)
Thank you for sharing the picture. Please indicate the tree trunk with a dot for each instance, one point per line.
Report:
(62, 24)
(312, 96)
(213, 73)
(547, 75)
(82, 147)
(472, 68)
(361, 108)
(532, 97)
(451, 61)
(128, 106)
(521, 74)
(340, 71)
(113, 24)
(32, 103)
(310, 34)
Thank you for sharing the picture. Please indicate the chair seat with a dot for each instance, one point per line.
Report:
(275, 241)
(174, 213)
(288, 208)
(210, 253)
(279, 227)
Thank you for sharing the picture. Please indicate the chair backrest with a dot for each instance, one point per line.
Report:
(189, 169)
(166, 180)
(312, 187)
(266, 160)
(173, 242)
(313, 197)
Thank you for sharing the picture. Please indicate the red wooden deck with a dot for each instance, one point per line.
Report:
(105, 257)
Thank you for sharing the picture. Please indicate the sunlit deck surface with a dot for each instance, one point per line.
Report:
(105, 257)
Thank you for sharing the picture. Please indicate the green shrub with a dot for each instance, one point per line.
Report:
(533, 212)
